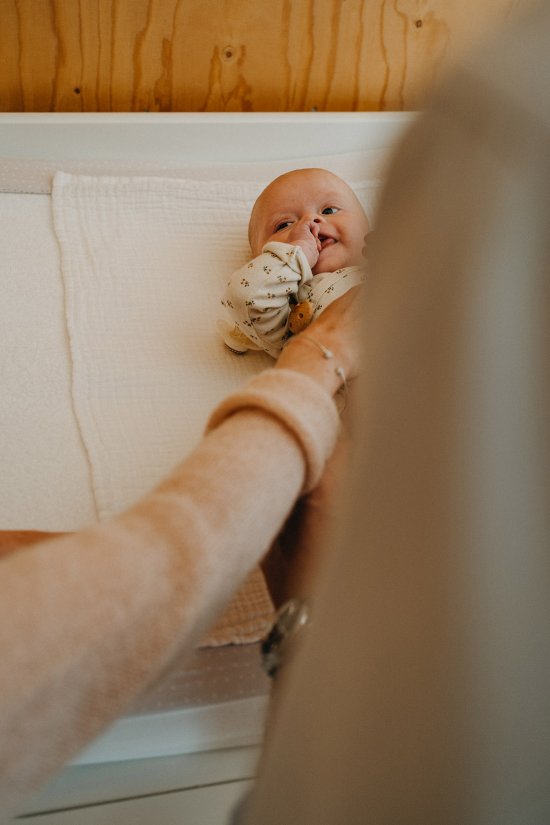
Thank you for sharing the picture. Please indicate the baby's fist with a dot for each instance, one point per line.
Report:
(301, 235)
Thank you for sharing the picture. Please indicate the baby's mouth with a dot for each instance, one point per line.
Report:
(326, 240)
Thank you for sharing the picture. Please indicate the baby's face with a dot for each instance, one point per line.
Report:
(311, 200)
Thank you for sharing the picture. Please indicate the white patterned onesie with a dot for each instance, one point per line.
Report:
(259, 296)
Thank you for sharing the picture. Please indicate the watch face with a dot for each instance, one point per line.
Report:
(291, 618)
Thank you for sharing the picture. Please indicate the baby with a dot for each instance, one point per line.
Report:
(306, 233)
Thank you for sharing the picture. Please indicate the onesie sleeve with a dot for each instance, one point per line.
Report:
(258, 297)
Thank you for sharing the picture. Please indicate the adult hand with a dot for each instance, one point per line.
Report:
(337, 329)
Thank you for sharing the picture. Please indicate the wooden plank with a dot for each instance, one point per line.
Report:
(233, 55)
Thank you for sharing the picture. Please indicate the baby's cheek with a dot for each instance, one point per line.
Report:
(300, 232)
(348, 252)
(279, 237)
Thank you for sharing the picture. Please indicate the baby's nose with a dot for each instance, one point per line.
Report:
(313, 222)
(314, 226)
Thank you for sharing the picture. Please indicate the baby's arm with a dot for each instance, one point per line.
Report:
(258, 296)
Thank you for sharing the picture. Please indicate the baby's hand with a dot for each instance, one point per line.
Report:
(301, 235)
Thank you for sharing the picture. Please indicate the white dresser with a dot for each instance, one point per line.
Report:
(185, 754)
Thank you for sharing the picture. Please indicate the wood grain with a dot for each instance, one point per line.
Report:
(233, 55)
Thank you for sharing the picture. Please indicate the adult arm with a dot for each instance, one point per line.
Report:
(88, 620)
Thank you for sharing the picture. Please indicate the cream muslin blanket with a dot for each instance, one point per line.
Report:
(144, 261)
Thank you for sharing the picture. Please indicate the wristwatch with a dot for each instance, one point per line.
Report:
(290, 620)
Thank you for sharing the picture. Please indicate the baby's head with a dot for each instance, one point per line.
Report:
(318, 199)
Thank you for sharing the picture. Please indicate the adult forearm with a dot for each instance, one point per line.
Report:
(87, 620)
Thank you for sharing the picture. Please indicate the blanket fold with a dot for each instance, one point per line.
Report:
(143, 261)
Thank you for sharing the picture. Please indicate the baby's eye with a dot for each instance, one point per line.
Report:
(330, 210)
(282, 225)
